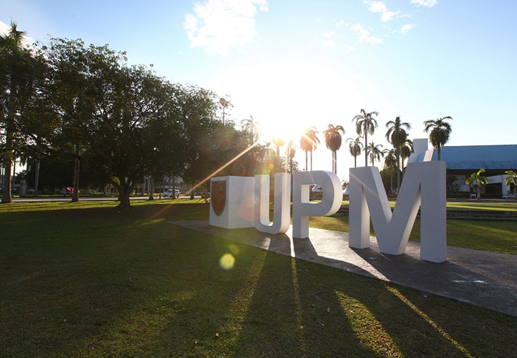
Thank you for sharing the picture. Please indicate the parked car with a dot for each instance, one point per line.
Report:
(168, 193)
(346, 193)
(509, 196)
(316, 189)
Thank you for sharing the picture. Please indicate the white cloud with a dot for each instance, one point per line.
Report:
(349, 48)
(428, 3)
(328, 35)
(406, 28)
(329, 44)
(218, 25)
(4, 28)
(380, 7)
(364, 35)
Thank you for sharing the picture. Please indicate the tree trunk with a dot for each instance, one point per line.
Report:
(365, 147)
(391, 180)
(398, 171)
(77, 167)
(124, 190)
(36, 178)
(478, 191)
(151, 188)
(6, 196)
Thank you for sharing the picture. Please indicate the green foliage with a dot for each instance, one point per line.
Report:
(439, 131)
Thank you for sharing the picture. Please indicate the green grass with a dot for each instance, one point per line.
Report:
(496, 236)
(495, 205)
(89, 280)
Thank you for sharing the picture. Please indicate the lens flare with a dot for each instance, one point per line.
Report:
(234, 249)
(227, 262)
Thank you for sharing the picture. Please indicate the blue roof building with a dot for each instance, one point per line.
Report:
(462, 161)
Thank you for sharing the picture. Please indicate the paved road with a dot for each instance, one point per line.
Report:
(67, 198)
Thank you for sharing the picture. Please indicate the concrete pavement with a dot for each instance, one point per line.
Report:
(476, 277)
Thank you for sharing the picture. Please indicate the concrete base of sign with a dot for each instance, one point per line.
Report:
(238, 209)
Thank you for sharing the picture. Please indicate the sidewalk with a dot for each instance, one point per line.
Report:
(476, 277)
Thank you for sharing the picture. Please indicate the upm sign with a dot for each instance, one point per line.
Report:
(246, 204)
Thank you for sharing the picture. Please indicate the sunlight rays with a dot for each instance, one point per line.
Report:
(364, 323)
(428, 319)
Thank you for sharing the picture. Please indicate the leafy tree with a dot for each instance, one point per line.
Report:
(333, 138)
(478, 180)
(375, 152)
(308, 143)
(365, 123)
(71, 68)
(135, 130)
(355, 147)
(21, 71)
(397, 136)
(511, 179)
(439, 131)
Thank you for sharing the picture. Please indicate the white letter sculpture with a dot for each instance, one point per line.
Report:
(232, 203)
(282, 202)
(303, 208)
(424, 184)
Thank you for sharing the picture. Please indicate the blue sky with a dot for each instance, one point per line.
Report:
(292, 64)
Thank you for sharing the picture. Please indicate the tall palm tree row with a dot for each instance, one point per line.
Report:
(308, 143)
(439, 131)
(333, 139)
(397, 136)
(365, 124)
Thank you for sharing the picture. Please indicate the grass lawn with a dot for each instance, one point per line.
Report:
(87, 280)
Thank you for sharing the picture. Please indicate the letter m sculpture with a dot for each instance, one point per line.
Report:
(423, 186)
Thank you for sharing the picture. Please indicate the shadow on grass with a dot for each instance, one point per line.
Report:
(99, 285)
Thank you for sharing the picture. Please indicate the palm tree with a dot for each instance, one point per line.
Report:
(391, 162)
(277, 161)
(479, 179)
(440, 131)
(365, 123)
(290, 153)
(355, 146)
(397, 135)
(278, 142)
(11, 49)
(405, 150)
(375, 152)
(512, 179)
(308, 143)
(252, 127)
(333, 140)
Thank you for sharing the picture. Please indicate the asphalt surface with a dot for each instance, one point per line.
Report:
(476, 277)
